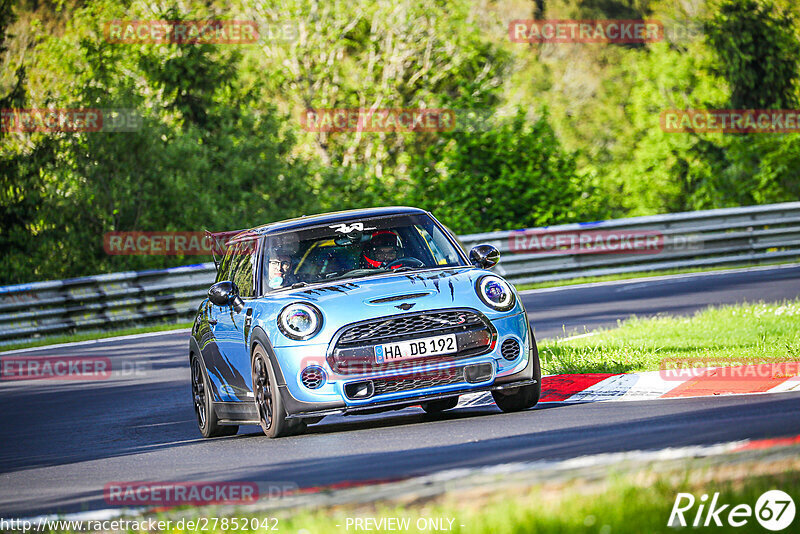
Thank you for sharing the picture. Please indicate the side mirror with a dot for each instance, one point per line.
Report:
(484, 256)
(226, 294)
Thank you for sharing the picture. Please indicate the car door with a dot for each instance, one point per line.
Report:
(229, 368)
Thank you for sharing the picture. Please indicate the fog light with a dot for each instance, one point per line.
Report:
(313, 377)
(510, 349)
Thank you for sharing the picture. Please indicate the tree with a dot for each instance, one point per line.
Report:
(207, 154)
(758, 53)
(376, 54)
(511, 175)
(22, 199)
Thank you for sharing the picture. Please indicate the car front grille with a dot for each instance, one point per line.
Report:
(353, 348)
(408, 326)
(396, 384)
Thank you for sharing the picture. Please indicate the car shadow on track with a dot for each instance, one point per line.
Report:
(408, 416)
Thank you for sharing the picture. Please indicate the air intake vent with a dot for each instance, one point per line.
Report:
(510, 349)
(399, 297)
(395, 384)
(313, 377)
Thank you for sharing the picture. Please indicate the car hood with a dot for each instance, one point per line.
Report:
(367, 298)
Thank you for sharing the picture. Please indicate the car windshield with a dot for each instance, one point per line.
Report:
(356, 248)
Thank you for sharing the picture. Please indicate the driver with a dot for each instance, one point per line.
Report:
(381, 249)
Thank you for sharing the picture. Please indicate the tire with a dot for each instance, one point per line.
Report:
(207, 420)
(269, 404)
(440, 405)
(517, 399)
(524, 397)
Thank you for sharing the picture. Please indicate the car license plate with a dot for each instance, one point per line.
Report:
(418, 348)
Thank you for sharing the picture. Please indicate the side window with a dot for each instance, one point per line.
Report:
(237, 266)
(224, 269)
(242, 268)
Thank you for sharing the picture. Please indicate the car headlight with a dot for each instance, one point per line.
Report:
(299, 321)
(495, 292)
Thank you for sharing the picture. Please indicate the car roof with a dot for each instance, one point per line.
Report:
(322, 218)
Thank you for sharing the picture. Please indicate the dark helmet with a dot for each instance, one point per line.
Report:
(382, 247)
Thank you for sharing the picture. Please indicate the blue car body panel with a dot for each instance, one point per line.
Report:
(225, 337)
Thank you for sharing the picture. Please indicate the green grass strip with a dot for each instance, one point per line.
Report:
(747, 333)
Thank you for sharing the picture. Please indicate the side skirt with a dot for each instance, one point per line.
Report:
(236, 413)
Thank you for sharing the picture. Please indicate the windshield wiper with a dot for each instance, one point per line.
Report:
(404, 269)
(296, 285)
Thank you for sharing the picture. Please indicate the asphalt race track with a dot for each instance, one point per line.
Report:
(62, 442)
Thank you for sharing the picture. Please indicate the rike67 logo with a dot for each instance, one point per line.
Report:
(774, 510)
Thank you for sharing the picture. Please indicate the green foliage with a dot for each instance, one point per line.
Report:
(756, 333)
(21, 193)
(221, 144)
(208, 154)
(651, 171)
(612, 9)
(508, 175)
(376, 54)
(758, 50)
(656, 171)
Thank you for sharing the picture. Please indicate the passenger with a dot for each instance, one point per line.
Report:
(279, 270)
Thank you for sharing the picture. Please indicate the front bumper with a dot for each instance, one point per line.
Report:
(323, 411)
(333, 399)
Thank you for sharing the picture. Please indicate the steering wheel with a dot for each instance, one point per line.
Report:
(408, 261)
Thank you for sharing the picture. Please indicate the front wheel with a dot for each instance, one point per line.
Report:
(271, 413)
(207, 420)
(517, 399)
(523, 397)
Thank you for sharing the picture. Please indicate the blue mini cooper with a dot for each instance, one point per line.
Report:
(355, 312)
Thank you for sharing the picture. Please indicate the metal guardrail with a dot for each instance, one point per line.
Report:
(722, 237)
(102, 302)
(694, 239)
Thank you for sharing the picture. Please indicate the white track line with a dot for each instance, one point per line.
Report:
(645, 279)
(100, 340)
(579, 336)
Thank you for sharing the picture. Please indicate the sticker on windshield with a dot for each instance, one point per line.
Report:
(344, 228)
